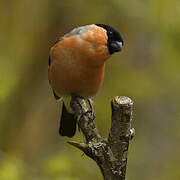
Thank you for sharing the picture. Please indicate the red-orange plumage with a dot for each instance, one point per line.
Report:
(78, 62)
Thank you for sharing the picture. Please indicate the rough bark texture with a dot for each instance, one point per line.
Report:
(110, 154)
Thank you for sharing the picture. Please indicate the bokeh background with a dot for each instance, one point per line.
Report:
(147, 70)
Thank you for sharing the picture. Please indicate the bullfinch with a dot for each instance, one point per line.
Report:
(77, 64)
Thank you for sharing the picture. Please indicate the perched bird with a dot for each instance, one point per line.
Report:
(76, 66)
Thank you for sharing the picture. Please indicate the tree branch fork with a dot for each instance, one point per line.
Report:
(110, 154)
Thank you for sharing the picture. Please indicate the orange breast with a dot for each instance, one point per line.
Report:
(77, 66)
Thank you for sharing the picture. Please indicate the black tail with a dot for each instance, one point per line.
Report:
(67, 123)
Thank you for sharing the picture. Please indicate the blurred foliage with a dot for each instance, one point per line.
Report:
(147, 70)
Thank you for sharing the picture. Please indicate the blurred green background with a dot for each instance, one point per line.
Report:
(147, 70)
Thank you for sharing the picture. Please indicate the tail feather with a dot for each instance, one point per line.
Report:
(67, 123)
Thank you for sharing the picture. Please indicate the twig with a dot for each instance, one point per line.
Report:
(110, 154)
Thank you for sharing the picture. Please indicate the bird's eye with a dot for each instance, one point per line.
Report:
(110, 34)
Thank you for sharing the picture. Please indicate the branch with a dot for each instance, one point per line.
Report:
(110, 154)
(85, 116)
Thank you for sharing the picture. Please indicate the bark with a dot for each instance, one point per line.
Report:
(110, 154)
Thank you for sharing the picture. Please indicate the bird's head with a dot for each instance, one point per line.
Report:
(115, 41)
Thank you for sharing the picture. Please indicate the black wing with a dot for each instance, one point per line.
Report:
(49, 61)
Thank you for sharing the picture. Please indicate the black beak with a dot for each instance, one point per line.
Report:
(116, 46)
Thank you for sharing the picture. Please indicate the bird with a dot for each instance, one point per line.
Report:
(76, 66)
